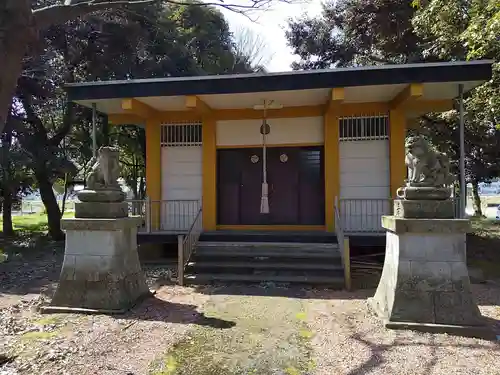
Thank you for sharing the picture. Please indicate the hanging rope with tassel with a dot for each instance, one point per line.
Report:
(264, 129)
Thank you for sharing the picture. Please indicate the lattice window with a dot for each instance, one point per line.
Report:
(364, 128)
(181, 135)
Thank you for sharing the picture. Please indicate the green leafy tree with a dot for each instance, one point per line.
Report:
(22, 22)
(351, 33)
(16, 180)
(154, 41)
(468, 30)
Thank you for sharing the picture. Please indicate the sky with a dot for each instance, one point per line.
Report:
(269, 26)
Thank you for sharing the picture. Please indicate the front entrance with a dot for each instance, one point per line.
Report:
(296, 186)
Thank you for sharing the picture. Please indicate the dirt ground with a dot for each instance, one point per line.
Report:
(218, 330)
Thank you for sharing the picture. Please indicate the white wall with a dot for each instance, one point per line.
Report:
(364, 174)
(283, 131)
(181, 176)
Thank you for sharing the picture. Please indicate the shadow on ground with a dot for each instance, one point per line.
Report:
(157, 309)
(377, 352)
(34, 263)
(283, 290)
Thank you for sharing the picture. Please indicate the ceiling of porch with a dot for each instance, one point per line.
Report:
(289, 98)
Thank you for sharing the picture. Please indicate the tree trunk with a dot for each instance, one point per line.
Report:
(65, 195)
(11, 63)
(105, 130)
(476, 199)
(6, 139)
(134, 179)
(50, 202)
(16, 32)
(7, 227)
(141, 188)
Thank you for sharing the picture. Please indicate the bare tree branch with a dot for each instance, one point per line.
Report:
(251, 48)
(59, 14)
(63, 131)
(31, 116)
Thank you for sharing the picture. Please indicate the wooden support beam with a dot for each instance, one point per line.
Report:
(331, 162)
(153, 171)
(138, 108)
(397, 137)
(337, 96)
(196, 104)
(209, 170)
(409, 95)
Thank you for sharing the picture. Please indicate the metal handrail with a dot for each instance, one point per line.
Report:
(344, 247)
(172, 215)
(363, 215)
(339, 231)
(186, 244)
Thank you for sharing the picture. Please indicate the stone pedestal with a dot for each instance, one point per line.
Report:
(101, 210)
(424, 209)
(101, 270)
(425, 283)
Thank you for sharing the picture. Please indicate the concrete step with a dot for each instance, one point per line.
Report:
(279, 246)
(332, 281)
(264, 253)
(259, 249)
(270, 236)
(265, 264)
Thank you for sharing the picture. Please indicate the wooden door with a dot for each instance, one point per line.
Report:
(296, 186)
(283, 172)
(250, 187)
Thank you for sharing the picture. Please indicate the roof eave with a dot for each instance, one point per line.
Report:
(480, 71)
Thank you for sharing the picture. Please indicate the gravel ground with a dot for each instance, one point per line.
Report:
(240, 330)
(77, 344)
(96, 344)
(216, 330)
(350, 340)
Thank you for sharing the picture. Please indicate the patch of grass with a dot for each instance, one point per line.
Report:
(49, 319)
(38, 335)
(483, 247)
(270, 337)
(169, 366)
(486, 227)
(32, 223)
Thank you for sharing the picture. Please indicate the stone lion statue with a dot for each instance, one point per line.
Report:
(426, 166)
(105, 171)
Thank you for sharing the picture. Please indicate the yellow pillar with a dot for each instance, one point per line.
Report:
(209, 199)
(332, 163)
(153, 169)
(397, 128)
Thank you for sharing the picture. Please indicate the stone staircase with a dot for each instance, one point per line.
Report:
(258, 257)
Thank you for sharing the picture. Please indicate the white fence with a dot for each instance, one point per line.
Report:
(364, 215)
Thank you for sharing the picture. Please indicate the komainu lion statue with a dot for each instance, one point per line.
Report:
(105, 171)
(426, 166)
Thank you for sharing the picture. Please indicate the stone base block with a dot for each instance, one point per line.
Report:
(104, 195)
(419, 209)
(425, 279)
(424, 193)
(101, 269)
(105, 296)
(482, 331)
(89, 210)
(426, 226)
